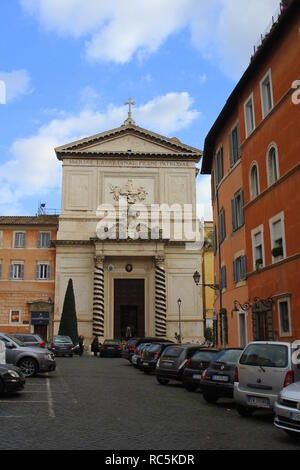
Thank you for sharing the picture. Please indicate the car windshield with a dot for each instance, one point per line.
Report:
(229, 356)
(205, 356)
(62, 339)
(265, 355)
(16, 340)
(154, 347)
(173, 351)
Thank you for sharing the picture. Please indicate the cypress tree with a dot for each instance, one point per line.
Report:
(68, 322)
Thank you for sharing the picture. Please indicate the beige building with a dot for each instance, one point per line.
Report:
(127, 282)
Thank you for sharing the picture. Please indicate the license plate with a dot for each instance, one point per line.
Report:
(146, 364)
(220, 378)
(294, 416)
(167, 364)
(197, 377)
(258, 401)
(111, 347)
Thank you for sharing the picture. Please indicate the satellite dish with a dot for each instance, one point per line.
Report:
(111, 268)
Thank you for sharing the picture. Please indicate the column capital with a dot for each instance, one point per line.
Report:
(99, 260)
(160, 261)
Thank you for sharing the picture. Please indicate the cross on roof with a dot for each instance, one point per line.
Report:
(130, 103)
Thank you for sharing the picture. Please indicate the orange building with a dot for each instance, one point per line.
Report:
(27, 273)
(252, 153)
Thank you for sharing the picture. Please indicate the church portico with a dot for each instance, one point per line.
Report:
(119, 280)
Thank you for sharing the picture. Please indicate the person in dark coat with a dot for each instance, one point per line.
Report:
(80, 345)
(95, 346)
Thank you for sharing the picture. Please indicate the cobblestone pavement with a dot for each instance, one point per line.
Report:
(93, 403)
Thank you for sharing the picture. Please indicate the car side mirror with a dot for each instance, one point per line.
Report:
(10, 346)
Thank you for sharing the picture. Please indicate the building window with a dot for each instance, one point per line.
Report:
(219, 165)
(43, 271)
(239, 269)
(266, 93)
(277, 237)
(19, 239)
(15, 316)
(17, 270)
(44, 239)
(223, 280)
(258, 248)
(213, 195)
(237, 205)
(254, 181)
(235, 145)
(272, 165)
(284, 317)
(222, 226)
(249, 115)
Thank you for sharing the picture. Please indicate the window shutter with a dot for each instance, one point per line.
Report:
(233, 209)
(215, 240)
(40, 240)
(11, 271)
(49, 272)
(242, 209)
(243, 268)
(37, 271)
(235, 272)
(223, 225)
(231, 156)
(221, 163)
(22, 271)
(23, 240)
(239, 141)
(220, 227)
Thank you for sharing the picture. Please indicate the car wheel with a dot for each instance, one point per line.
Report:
(244, 411)
(28, 366)
(210, 398)
(2, 387)
(162, 381)
(190, 388)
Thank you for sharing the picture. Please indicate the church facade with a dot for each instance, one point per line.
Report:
(122, 280)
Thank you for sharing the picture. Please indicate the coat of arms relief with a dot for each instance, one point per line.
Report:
(133, 195)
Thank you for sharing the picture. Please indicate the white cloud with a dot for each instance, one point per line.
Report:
(204, 198)
(34, 170)
(224, 30)
(17, 83)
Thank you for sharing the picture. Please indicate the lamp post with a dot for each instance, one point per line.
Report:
(197, 279)
(179, 302)
(51, 305)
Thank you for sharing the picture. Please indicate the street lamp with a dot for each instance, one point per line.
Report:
(179, 302)
(197, 279)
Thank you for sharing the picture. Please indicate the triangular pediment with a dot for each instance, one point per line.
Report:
(127, 139)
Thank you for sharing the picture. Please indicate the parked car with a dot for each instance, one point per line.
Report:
(195, 366)
(111, 348)
(218, 379)
(30, 339)
(137, 356)
(131, 345)
(172, 362)
(2, 353)
(61, 346)
(287, 410)
(264, 368)
(150, 356)
(11, 379)
(31, 360)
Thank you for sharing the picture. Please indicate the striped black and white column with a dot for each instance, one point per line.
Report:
(98, 300)
(160, 298)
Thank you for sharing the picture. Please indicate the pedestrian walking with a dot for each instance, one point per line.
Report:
(128, 332)
(95, 346)
(81, 345)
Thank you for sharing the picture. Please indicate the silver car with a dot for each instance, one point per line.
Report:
(264, 368)
(31, 360)
(287, 410)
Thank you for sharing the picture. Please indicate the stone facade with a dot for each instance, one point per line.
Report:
(146, 168)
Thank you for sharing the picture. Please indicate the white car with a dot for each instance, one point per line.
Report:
(287, 410)
(2, 353)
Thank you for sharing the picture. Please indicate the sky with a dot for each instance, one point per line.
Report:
(69, 65)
